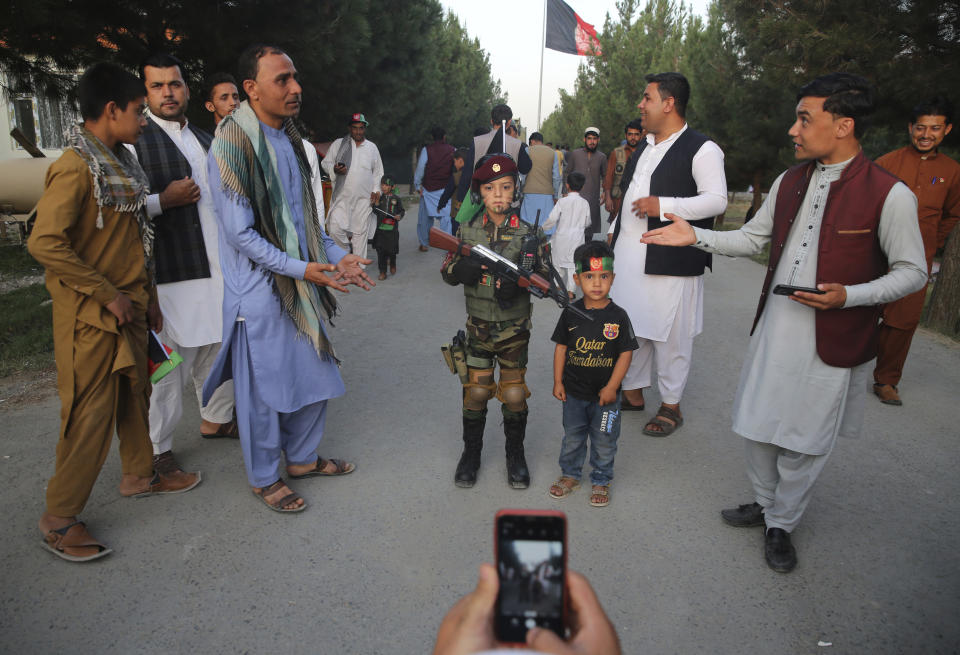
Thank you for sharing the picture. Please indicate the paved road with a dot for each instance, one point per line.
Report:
(380, 555)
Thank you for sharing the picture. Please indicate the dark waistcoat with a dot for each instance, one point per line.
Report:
(439, 164)
(179, 250)
(673, 178)
(849, 253)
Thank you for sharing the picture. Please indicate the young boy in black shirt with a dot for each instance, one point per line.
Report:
(386, 238)
(589, 363)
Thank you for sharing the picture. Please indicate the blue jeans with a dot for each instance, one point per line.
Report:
(583, 418)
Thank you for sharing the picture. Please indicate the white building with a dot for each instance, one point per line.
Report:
(41, 119)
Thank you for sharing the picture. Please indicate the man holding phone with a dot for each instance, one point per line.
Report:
(841, 224)
(468, 626)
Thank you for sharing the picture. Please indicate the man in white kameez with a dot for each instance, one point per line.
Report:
(353, 164)
(190, 284)
(675, 170)
(843, 225)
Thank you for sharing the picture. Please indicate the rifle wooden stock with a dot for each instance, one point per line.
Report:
(446, 241)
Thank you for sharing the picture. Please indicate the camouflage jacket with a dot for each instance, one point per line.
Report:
(505, 240)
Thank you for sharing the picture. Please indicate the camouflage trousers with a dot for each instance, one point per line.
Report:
(504, 343)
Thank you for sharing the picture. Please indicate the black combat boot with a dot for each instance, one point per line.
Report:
(466, 475)
(514, 429)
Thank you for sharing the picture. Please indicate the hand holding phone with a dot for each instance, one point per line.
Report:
(531, 560)
(788, 289)
(468, 626)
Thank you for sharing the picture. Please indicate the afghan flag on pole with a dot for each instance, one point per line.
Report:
(567, 32)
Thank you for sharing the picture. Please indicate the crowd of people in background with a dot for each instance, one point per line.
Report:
(227, 246)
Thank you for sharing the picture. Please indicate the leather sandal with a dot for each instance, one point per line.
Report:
(225, 431)
(68, 541)
(278, 506)
(340, 468)
(666, 428)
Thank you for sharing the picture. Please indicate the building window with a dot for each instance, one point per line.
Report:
(42, 120)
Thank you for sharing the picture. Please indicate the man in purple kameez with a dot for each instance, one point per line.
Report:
(275, 258)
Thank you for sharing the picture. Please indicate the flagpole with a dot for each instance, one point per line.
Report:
(543, 47)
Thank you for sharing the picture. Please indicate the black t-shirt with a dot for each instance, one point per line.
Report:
(593, 347)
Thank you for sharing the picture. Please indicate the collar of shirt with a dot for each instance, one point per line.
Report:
(652, 139)
(923, 156)
(173, 127)
(833, 172)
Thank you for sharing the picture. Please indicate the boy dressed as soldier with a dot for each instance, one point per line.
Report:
(498, 317)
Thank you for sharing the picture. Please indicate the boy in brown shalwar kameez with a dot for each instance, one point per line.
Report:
(95, 241)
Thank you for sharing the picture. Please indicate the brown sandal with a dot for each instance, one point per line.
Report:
(666, 428)
(563, 487)
(279, 506)
(225, 431)
(73, 537)
(340, 468)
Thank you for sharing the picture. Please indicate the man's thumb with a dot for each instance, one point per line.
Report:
(546, 641)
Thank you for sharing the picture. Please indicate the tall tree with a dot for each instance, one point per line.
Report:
(402, 62)
(608, 87)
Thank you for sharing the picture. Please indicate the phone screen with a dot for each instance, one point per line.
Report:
(531, 562)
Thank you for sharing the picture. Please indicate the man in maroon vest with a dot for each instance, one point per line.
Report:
(434, 167)
(845, 227)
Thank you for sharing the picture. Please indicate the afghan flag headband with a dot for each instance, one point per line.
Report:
(595, 264)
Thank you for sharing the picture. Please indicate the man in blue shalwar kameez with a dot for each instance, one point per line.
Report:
(274, 257)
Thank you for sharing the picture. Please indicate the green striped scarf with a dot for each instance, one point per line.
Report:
(248, 172)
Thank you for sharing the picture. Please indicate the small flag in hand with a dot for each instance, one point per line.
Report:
(161, 358)
(567, 32)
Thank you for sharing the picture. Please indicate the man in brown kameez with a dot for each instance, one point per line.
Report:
(95, 241)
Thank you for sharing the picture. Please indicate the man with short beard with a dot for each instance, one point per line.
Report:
(222, 95)
(935, 179)
(617, 163)
(593, 164)
(172, 152)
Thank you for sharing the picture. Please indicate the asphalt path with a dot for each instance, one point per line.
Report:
(380, 555)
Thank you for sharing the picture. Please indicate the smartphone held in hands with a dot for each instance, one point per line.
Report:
(531, 560)
(787, 290)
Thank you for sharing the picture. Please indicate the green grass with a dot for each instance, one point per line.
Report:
(16, 261)
(26, 330)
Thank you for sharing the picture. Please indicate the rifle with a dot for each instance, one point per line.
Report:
(387, 214)
(503, 267)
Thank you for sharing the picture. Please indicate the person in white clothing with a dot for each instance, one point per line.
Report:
(570, 216)
(189, 282)
(845, 230)
(674, 170)
(353, 164)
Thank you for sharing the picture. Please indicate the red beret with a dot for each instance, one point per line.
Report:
(495, 167)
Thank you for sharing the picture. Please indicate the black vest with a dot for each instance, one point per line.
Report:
(179, 250)
(673, 178)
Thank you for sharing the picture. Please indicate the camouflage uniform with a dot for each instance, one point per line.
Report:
(496, 330)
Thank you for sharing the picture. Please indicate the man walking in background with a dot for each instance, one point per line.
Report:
(935, 179)
(353, 164)
(593, 165)
(434, 167)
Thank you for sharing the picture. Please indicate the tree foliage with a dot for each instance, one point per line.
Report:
(747, 59)
(403, 63)
(609, 87)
